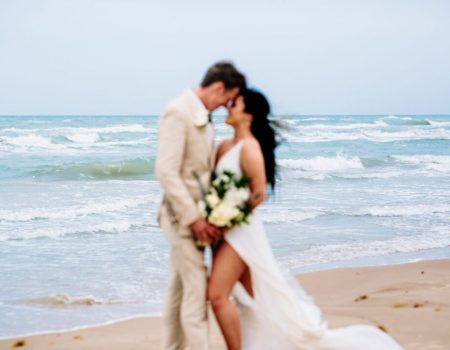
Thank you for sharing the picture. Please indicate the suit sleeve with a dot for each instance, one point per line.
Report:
(172, 136)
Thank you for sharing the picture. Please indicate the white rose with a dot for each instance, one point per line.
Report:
(201, 118)
(244, 194)
(213, 199)
(223, 214)
(237, 196)
(225, 178)
(201, 205)
(216, 182)
(231, 196)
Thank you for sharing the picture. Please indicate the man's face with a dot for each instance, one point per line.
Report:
(221, 97)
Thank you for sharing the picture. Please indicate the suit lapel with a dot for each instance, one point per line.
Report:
(204, 145)
(212, 148)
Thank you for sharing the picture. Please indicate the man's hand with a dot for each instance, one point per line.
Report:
(204, 231)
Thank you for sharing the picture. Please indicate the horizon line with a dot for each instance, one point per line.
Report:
(223, 115)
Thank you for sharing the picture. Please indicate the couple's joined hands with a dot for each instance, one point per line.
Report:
(205, 232)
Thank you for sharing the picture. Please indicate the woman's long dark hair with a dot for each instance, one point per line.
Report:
(258, 106)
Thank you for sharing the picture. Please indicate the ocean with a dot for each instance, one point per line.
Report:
(79, 242)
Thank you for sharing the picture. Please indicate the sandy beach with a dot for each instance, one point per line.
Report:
(409, 301)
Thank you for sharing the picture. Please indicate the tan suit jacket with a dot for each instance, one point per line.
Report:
(184, 150)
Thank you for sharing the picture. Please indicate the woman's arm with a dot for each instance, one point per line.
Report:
(252, 164)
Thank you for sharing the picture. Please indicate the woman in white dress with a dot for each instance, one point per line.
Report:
(269, 311)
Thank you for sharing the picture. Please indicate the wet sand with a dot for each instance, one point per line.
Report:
(409, 301)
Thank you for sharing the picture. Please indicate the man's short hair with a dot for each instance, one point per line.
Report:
(225, 72)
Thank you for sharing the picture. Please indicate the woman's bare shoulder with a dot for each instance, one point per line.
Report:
(251, 147)
(251, 142)
(251, 154)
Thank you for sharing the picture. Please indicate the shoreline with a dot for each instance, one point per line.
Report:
(407, 300)
(368, 262)
(81, 328)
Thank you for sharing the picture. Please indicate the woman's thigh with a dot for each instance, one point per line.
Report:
(227, 269)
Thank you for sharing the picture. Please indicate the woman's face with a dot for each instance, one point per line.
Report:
(236, 114)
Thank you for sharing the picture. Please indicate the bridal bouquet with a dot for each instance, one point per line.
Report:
(225, 203)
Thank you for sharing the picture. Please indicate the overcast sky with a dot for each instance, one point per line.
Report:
(309, 57)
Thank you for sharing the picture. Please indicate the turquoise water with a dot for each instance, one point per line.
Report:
(79, 244)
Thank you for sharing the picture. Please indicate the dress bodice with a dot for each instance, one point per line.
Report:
(231, 160)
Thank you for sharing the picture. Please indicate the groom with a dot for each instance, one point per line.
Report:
(185, 158)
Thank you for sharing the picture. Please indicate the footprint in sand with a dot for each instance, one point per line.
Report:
(19, 343)
(362, 297)
(406, 304)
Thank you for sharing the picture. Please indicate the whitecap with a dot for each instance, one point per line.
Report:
(20, 130)
(438, 237)
(109, 129)
(375, 124)
(55, 232)
(370, 135)
(31, 141)
(407, 210)
(398, 118)
(337, 163)
(83, 137)
(371, 175)
(313, 119)
(437, 163)
(438, 123)
(62, 300)
(70, 212)
(285, 216)
(311, 176)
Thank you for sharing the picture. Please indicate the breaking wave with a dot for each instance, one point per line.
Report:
(62, 301)
(73, 211)
(413, 210)
(370, 135)
(437, 163)
(365, 249)
(100, 171)
(339, 162)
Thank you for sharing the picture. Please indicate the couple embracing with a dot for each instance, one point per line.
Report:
(255, 305)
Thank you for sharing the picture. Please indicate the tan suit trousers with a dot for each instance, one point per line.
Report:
(185, 311)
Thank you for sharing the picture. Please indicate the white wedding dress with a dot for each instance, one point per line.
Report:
(281, 316)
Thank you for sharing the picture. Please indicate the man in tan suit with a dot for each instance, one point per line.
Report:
(185, 157)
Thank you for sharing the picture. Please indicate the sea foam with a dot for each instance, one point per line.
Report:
(370, 135)
(337, 163)
(438, 163)
(62, 300)
(30, 141)
(327, 253)
(107, 205)
(73, 229)
(83, 137)
(351, 126)
(129, 168)
(405, 210)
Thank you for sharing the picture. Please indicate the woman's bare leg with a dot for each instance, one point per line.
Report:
(246, 281)
(227, 269)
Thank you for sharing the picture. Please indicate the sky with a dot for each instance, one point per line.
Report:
(101, 57)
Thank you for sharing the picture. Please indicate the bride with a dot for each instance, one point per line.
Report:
(269, 311)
